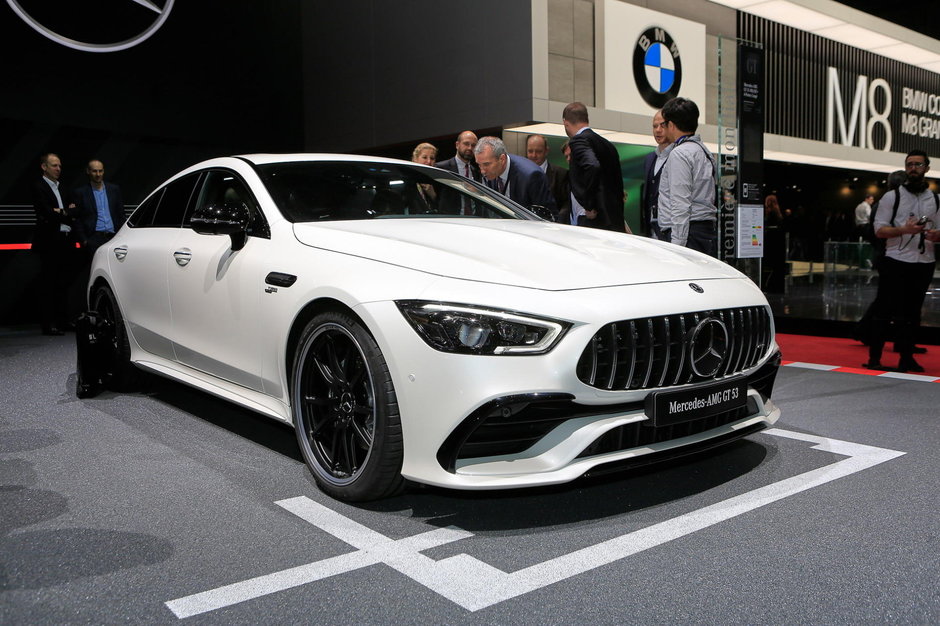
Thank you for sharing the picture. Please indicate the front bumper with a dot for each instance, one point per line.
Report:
(493, 422)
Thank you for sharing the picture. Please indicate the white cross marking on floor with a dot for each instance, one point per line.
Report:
(473, 584)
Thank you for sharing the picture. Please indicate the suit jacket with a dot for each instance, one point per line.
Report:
(528, 184)
(451, 166)
(86, 211)
(649, 192)
(596, 180)
(48, 233)
(561, 190)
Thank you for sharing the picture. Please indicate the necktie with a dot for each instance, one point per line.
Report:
(500, 185)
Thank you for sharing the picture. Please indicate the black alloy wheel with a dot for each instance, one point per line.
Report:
(122, 375)
(345, 410)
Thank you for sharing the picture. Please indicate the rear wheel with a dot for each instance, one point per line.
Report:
(345, 410)
(121, 373)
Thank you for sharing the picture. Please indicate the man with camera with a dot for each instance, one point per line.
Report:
(907, 217)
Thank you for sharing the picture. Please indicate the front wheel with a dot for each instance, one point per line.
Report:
(345, 410)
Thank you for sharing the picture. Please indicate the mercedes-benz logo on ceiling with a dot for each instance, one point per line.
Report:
(657, 66)
(94, 26)
(708, 344)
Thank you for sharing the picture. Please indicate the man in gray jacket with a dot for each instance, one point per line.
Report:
(688, 215)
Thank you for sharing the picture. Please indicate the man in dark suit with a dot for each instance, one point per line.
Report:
(54, 244)
(98, 213)
(99, 209)
(536, 150)
(652, 168)
(595, 177)
(518, 178)
(462, 162)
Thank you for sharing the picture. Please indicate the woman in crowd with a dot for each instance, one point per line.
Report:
(426, 154)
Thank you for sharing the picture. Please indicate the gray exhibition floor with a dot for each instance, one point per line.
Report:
(166, 505)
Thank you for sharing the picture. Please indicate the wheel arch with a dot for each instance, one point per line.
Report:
(307, 313)
(100, 281)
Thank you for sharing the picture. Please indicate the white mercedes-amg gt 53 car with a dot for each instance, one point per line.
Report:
(414, 325)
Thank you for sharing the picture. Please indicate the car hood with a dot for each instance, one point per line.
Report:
(537, 255)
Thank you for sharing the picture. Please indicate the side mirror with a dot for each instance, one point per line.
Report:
(542, 212)
(223, 219)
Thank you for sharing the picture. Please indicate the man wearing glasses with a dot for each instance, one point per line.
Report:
(687, 211)
(908, 218)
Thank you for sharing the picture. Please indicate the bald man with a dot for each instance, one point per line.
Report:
(463, 162)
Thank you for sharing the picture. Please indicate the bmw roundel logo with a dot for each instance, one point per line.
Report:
(657, 67)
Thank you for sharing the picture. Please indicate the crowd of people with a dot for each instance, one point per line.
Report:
(678, 203)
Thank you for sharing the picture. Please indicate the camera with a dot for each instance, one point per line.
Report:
(922, 220)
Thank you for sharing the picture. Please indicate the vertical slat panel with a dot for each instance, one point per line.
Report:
(649, 353)
(724, 315)
(683, 329)
(614, 347)
(632, 346)
(667, 339)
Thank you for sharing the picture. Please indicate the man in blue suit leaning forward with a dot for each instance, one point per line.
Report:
(514, 176)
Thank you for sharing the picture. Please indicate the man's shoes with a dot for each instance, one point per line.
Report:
(52, 330)
(916, 350)
(909, 365)
(876, 365)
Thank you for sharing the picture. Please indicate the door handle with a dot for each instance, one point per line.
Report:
(183, 257)
(120, 252)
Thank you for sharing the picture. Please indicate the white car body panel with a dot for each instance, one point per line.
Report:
(537, 255)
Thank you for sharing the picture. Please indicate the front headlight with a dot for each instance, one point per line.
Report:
(475, 330)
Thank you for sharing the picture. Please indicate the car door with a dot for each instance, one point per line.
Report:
(215, 291)
(140, 262)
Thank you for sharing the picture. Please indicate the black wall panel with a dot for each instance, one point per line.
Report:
(381, 72)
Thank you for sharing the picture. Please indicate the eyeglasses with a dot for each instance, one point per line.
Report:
(919, 166)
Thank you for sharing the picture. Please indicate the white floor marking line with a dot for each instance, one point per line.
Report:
(473, 584)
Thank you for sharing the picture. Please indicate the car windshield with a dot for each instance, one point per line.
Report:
(316, 191)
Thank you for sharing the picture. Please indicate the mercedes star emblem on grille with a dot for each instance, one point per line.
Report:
(708, 344)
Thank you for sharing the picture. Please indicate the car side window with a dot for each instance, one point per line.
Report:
(225, 187)
(176, 198)
(143, 214)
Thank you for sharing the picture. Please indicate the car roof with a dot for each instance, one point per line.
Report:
(264, 158)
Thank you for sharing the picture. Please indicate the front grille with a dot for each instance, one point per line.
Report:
(654, 352)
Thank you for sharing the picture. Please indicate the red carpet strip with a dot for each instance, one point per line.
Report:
(847, 355)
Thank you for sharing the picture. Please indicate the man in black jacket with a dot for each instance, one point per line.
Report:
(595, 177)
(53, 242)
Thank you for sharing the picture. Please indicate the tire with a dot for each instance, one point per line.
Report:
(121, 373)
(345, 410)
